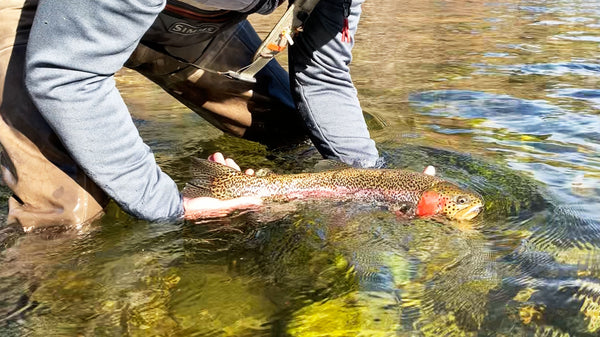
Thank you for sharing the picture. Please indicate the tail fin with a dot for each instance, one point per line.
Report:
(203, 172)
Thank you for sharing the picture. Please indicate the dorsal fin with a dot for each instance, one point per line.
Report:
(203, 172)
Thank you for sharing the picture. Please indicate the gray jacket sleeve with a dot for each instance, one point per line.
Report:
(323, 89)
(75, 47)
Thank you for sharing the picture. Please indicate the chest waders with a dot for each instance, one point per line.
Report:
(281, 35)
(50, 190)
(214, 63)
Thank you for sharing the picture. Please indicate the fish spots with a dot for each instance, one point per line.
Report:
(429, 204)
(457, 203)
(318, 192)
(410, 193)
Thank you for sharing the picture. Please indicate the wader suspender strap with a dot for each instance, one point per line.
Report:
(286, 28)
(280, 36)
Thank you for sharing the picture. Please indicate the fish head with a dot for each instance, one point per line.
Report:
(454, 202)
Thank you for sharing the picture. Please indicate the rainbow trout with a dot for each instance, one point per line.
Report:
(406, 192)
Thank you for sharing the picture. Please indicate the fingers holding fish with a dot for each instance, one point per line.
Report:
(207, 207)
(429, 170)
(199, 206)
(218, 157)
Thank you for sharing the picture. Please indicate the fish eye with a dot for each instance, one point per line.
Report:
(462, 200)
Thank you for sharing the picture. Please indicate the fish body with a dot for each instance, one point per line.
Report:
(408, 192)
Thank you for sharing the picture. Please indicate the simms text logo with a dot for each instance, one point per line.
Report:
(187, 29)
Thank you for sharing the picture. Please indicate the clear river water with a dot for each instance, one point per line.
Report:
(500, 96)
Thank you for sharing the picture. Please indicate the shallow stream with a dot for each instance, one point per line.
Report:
(500, 96)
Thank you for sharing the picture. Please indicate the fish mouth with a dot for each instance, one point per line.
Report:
(468, 213)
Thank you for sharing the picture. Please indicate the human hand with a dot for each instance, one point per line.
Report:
(218, 157)
(206, 207)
